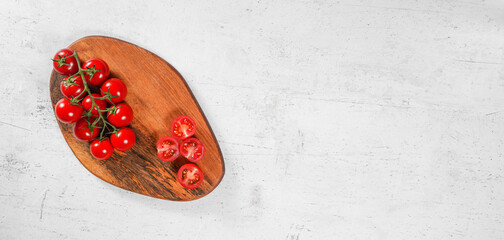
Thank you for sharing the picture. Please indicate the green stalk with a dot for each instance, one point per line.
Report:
(86, 89)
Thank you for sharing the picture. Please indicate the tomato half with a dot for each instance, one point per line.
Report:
(122, 116)
(67, 112)
(124, 139)
(192, 149)
(65, 66)
(88, 104)
(116, 88)
(190, 176)
(83, 132)
(183, 127)
(101, 150)
(167, 149)
(96, 71)
(72, 87)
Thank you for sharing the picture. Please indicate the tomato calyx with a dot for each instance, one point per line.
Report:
(91, 71)
(112, 110)
(74, 101)
(61, 60)
(92, 126)
(88, 113)
(70, 81)
(107, 95)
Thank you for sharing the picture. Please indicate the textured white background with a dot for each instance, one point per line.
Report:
(337, 119)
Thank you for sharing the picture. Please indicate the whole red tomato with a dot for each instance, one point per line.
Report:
(66, 66)
(96, 71)
(122, 116)
(82, 130)
(183, 127)
(67, 112)
(101, 150)
(190, 176)
(192, 149)
(88, 104)
(123, 140)
(72, 87)
(116, 88)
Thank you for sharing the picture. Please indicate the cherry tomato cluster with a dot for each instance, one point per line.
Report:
(168, 149)
(96, 114)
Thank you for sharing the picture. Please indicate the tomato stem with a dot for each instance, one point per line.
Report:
(95, 106)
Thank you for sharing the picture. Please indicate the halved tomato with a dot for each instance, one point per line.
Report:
(192, 149)
(167, 148)
(190, 176)
(183, 127)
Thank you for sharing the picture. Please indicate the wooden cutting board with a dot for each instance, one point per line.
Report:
(158, 94)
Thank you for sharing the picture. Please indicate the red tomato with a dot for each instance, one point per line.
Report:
(65, 66)
(124, 139)
(116, 88)
(82, 131)
(167, 148)
(122, 116)
(192, 149)
(190, 176)
(67, 112)
(101, 150)
(183, 127)
(72, 87)
(88, 104)
(98, 69)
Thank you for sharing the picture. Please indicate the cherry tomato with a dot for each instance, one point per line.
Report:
(88, 104)
(98, 69)
(124, 139)
(83, 132)
(183, 127)
(65, 66)
(116, 87)
(67, 112)
(192, 149)
(101, 150)
(190, 176)
(72, 87)
(122, 116)
(167, 148)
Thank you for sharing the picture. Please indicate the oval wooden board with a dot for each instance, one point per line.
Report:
(158, 94)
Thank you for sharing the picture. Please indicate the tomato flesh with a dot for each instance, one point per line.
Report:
(190, 176)
(183, 127)
(167, 149)
(192, 149)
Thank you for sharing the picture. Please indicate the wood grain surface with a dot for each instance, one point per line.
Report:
(158, 94)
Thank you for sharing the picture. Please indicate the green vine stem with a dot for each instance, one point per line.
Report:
(95, 106)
